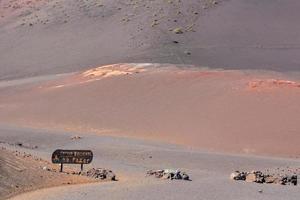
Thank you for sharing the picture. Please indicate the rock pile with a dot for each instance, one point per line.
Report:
(101, 173)
(260, 177)
(169, 174)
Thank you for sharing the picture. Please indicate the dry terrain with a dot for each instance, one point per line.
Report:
(206, 86)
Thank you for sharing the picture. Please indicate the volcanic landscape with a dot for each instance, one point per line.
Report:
(203, 86)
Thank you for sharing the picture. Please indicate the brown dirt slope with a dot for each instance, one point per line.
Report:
(20, 172)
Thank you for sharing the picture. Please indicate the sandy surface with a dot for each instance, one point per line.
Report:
(130, 159)
(51, 36)
(21, 172)
(232, 111)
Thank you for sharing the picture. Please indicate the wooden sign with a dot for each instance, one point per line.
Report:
(81, 157)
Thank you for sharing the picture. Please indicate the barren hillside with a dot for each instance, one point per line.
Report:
(50, 36)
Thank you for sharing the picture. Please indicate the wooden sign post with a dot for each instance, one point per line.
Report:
(81, 157)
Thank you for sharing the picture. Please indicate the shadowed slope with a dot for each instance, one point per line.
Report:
(63, 36)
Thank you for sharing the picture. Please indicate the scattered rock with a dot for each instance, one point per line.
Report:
(169, 174)
(101, 173)
(76, 137)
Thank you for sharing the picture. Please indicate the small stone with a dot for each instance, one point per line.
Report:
(187, 53)
(185, 176)
(76, 137)
(19, 144)
(178, 31)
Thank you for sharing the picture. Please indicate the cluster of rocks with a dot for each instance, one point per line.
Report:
(260, 177)
(101, 173)
(169, 174)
